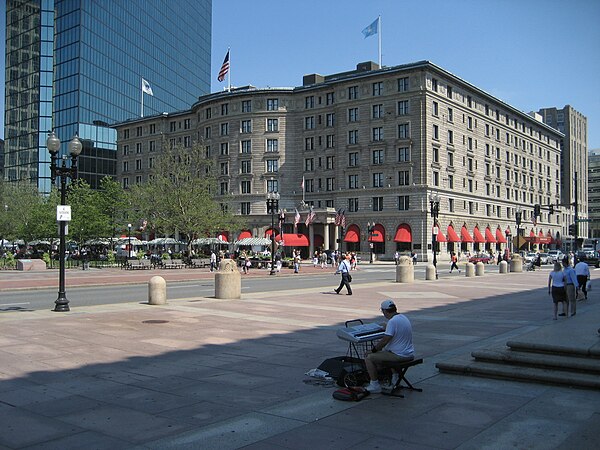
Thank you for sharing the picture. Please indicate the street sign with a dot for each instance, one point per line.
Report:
(436, 230)
(63, 213)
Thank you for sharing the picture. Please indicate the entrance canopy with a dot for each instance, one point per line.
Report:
(353, 234)
(403, 233)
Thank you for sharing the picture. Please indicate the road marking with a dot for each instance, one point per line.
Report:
(14, 304)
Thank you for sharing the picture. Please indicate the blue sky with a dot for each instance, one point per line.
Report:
(529, 53)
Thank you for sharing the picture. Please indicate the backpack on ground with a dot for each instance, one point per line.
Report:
(350, 394)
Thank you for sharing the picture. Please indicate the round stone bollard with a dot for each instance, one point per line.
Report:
(503, 267)
(430, 272)
(405, 272)
(157, 291)
(479, 269)
(470, 270)
(228, 281)
(516, 263)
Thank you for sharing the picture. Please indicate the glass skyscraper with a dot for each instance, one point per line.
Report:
(76, 66)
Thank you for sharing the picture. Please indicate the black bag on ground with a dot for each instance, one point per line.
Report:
(350, 394)
(346, 370)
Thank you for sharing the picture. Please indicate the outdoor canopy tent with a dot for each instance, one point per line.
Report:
(253, 241)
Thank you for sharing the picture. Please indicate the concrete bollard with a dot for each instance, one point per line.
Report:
(470, 270)
(479, 269)
(405, 272)
(157, 291)
(516, 263)
(430, 272)
(228, 281)
(503, 267)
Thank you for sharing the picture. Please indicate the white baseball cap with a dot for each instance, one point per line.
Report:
(387, 304)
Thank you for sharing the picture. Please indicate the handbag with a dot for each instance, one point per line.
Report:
(349, 278)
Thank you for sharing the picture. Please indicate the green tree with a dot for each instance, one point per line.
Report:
(180, 195)
(89, 219)
(115, 204)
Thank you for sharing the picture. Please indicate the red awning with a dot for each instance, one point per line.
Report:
(452, 236)
(500, 236)
(403, 234)
(244, 234)
(543, 239)
(489, 237)
(532, 233)
(378, 234)
(352, 235)
(223, 237)
(269, 232)
(440, 237)
(464, 235)
(293, 240)
(478, 237)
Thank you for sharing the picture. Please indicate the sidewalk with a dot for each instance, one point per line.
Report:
(207, 373)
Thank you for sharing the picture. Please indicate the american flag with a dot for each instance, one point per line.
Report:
(310, 217)
(224, 68)
(296, 218)
(343, 220)
(339, 216)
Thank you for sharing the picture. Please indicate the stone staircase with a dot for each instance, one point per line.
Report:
(533, 362)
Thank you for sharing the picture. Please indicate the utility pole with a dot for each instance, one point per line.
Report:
(576, 217)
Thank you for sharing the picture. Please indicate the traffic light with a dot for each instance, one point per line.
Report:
(537, 210)
(551, 209)
(573, 229)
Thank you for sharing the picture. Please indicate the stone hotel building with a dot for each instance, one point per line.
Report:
(377, 143)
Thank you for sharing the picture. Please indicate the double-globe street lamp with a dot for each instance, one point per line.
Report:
(272, 207)
(63, 172)
(434, 204)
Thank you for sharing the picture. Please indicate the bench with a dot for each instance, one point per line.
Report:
(402, 368)
(199, 262)
(139, 264)
(173, 264)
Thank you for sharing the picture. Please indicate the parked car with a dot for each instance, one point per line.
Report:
(530, 257)
(591, 258)
(486, 259)
(555, 255)
(545, 258)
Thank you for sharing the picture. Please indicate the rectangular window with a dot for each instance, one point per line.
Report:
(125, 183)
(224, 129)
(377, 203)
(378, 134)
(403, 131)
(449, 91)
(353, 137)
(434, 84)
(246, 146)
(353, 181)
(272, 124)
(272, 145)
(309, 143)
(450, 137)
(435, 109)
(207, 132)
(272, 185)
(224, 168)
(330, 141)
(272, 104)
(377, 111)
(403, 154)
(435, 154)
(246, 187)
(436, 132)
(246, 126)
(172, 126)
(309, 164)
(187, 141)
(330, 98)
(245, 208)
(224, 148)
(329, 163)
(152, 128)
(247, 106)
(403, 178)
(353, 92)
(352, 114)
(224, 109)
(353, 159)
(378, 157)
(246, 166)
(208, 113)
(330, 119)
(450, 115)
(403, 202)
(187, 124)
(450, 159)
(223, 188)
(378, 180)
(377, 88)
(330, 184)
(450, 205)
(272, 165)
(352, 204)
(309, 123)
(436, 178)
(138, 164)
(403, 84)
(309, 102)
(126, 150)
(403, 107)
(138, 131)
(125, 166)
(138, 147)
(450, 181)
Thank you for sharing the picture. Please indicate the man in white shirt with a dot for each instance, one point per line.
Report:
(582, 271)
(395, 346)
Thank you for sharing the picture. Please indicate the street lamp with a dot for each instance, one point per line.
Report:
(63, 172)
(129, 246)
(509, 242)
(272, 206)
(434, 203)
(371, 232)
(518, 217)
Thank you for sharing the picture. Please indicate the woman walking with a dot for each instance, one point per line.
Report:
(454, 260)
(556, 288)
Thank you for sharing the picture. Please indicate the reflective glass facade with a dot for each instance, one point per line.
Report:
(102, 50)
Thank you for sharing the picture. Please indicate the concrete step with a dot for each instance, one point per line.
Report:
(591, 350)
(469, 366)
(539, 360)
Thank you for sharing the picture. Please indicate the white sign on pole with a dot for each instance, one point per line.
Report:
(63, 213)
(436, 230)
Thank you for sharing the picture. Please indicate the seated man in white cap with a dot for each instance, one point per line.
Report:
(395, 346)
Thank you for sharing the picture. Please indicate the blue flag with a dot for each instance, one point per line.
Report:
(371, 29)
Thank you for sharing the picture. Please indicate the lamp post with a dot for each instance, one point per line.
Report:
(508, 240)
(272, 206)
(63, 172)
(129, 238)
(434, 204)
(371, 232)
(518, 217)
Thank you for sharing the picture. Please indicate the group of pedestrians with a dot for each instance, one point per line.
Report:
(565, 283)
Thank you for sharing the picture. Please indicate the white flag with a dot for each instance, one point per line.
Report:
(147, 88)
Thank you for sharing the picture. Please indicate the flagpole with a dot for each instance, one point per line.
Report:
(379, 38)
(229, 71)
(142, 101)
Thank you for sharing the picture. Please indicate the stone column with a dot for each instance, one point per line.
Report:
(336, 236)
(325, 236)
